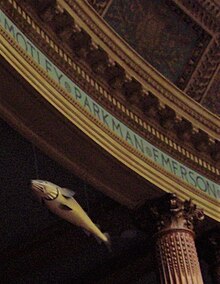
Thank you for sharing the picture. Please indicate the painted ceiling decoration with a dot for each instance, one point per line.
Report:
(110, 121)
(181, 39)
(178, 126)
(162, 34)
(104, 95)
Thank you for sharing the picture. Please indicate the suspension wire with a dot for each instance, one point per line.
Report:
(35, 161)
(86, 197)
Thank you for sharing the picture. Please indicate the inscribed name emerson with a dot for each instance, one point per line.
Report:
(150, 151)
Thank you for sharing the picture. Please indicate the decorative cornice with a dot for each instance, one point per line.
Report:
(113, 104)
(100, 5)
(59, 97)
(160, 88)
(135, 100)
(198, 72)
(198, 8)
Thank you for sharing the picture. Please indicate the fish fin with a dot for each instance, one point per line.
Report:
(67, 192)
(67, 197)
(64, 207)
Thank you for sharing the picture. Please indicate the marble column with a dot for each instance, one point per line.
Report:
(175, 246)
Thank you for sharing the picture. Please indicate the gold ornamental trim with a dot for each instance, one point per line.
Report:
(169, 145)
(54, 94)
(86, 18)
(187, 156)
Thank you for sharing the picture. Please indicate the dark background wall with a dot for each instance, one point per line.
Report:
(38, 247)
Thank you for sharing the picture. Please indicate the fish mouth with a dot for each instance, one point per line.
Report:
(38, 187)
(35, 185)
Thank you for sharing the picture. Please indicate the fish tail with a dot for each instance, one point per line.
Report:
(108, 243)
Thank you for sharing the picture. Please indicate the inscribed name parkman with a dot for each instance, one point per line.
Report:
(117, 127)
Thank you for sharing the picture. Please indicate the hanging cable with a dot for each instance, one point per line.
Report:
(35, 161)
(86, 197)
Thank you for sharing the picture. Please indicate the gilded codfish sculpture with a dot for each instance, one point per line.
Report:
(60, 201)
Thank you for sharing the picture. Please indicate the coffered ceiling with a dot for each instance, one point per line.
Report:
(181, 39)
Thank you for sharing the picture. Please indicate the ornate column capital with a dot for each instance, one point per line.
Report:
(174, 239)
(172, 213)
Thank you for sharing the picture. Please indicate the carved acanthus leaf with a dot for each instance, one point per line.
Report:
(172, 213)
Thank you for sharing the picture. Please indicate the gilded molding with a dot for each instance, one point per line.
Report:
(96, 130)
(140, 70)
(132, 119)
(100, 5)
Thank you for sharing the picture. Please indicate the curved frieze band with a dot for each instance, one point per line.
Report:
(150, 79)
(203, 158)
(101, 126)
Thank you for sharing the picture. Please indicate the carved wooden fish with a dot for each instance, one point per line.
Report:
(61, 202)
